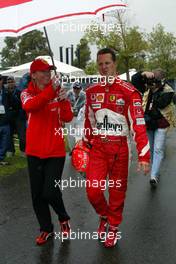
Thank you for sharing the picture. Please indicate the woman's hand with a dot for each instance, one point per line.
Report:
(62, 94)
(55, 82)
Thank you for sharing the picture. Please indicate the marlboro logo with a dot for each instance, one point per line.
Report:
(107, 126)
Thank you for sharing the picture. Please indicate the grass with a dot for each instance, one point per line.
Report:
(17, 162)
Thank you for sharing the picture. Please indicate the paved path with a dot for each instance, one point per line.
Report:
(148, 229)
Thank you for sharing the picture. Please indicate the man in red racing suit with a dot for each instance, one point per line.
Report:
(112, 111)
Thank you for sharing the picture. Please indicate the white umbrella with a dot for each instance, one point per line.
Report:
(20, 16)
(63, 68)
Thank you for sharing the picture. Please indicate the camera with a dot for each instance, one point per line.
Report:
(152, 81)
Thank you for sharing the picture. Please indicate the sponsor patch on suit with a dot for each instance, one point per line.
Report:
(96, 106)
(100, 98)
(93, 97)
(140, 121)
(137, 106)
(136, 103)
(120, 101)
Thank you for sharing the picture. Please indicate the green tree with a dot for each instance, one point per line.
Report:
(23, 49)
(9, 54)
(91, 68)
(84, 52)
(162, 50)
(128, 42)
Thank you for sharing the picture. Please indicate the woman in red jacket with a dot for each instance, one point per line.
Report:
(46, 106)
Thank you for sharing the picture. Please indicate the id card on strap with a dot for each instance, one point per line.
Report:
(2, 109)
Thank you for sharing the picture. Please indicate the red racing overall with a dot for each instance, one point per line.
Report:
(112, 111)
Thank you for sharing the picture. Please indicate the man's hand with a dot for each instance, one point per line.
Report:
(144, 166)
(62, 94)
(148, 75)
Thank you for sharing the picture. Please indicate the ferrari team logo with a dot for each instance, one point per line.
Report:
(112, 98)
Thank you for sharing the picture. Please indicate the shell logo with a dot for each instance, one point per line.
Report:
(100, 98)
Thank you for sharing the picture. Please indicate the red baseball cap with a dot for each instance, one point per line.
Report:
(40, 65)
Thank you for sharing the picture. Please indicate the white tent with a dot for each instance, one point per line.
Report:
(65, 69)
(124, 75)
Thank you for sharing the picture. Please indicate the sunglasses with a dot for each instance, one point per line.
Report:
(76, 88)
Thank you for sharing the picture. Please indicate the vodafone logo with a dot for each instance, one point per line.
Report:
(7, 3)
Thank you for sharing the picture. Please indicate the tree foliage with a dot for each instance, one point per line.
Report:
(162, 50)
(84, 52)
(23, 49)
(91, 68)
(128, 42)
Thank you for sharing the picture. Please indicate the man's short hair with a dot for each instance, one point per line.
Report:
(10, 78)
(107, 51)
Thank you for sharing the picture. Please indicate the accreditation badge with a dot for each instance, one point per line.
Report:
(2, 109)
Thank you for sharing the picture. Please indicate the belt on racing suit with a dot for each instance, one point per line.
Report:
(110, 138)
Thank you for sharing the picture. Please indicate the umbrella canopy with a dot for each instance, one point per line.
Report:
(21, 16)
(65, 69)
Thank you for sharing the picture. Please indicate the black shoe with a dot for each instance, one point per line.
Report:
(153, 182)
